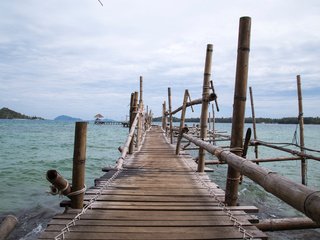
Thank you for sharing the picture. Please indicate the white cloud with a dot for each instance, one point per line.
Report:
(76, 55)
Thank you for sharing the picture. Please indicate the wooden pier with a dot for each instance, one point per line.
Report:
(157, 195)
(157, 191)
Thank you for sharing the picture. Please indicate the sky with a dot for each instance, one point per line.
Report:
(79, 58)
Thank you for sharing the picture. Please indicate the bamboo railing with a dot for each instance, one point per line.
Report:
(297, 195)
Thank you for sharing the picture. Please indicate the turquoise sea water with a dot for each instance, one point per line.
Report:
(29, 148)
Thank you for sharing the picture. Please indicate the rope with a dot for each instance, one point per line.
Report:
(75, 193)
(66, 229)
(224, 208)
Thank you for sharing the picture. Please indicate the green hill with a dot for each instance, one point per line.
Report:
(6, 113)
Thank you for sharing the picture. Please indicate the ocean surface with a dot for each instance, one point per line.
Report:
(29, 148)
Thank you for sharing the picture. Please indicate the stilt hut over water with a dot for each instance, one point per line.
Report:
(98, 118)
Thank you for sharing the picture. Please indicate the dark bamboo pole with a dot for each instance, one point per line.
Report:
(183, 115)
(239, 103)
(170, 115)
(301, 128)
(131, 120)
(134, 113)
(253, 122)
(79, 159)
(213, 125)
(164, 115)
(205, 104)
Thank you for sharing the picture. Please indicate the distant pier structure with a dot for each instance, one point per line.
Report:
(99, 121)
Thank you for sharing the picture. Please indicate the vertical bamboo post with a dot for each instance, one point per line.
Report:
(213, 125)
(183, 115)
(254, 123)
(131, 118)
(134, 113)
(239, 103)
(79, 159)
(301, 128)
(163, 116)
(205, 103)
(170, 115)
(139, 125)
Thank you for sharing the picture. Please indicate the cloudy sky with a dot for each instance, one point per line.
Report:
(79, 58)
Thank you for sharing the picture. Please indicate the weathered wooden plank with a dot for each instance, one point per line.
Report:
(155, 233)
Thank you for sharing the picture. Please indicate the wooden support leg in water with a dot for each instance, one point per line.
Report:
(240, 94)
(79, 159)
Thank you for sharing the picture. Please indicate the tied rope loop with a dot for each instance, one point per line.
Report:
(75, 193)
(236, 223)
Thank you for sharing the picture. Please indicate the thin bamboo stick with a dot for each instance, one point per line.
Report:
(170, 115)
(253, 123)
(183, 115)
(301, 128)
(239, 104)
(278, 159)
(205, 102)
(294, 152)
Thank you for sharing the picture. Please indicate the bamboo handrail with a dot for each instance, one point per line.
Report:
(294, 152)
(297, 195)
(198, 101)
(130, 136)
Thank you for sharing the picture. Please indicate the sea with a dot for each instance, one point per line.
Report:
(28, 148)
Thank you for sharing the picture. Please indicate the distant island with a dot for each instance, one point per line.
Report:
(287, 120)
(65, 118)
(6, 113)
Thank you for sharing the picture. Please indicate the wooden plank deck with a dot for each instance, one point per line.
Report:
(156, 196)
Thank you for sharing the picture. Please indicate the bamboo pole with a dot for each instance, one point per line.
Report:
(134, 114)
(253, 123)
(131, 118)
(194, 102)
(294, 152)
(239, 103)
(213, 125)
(141, 107)
(301, 128)
(286, 224)
(205, 102)
(170, 115)
(183, 115)
(299, 196)
(164, 117)
(60, 184)
(79, 159)
(126, 146)
(259, 160)
(7, 226)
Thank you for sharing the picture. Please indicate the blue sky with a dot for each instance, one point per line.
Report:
(79, 58)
